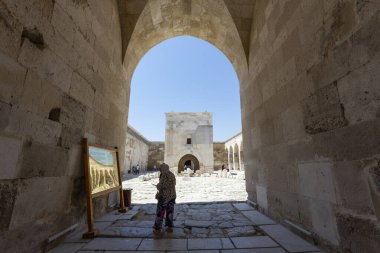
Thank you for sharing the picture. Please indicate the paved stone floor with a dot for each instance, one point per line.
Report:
(190, 189)
(214, 225)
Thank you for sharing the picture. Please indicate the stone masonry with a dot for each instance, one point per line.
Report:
(189, 133)
(309, 89)
(136, 150)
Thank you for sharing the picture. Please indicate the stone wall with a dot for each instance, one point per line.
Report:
(311, 118)
(136, 150)
(194, 126)
(220, 156)
(156, 154)
(61, 79)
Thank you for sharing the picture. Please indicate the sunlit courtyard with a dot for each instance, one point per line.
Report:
(189, 189)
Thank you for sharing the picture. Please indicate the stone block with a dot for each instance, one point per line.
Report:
(73, 120)
(324, 221)
(163, 244)
(63, 24)
(63, 48)
(323, 111)
(283, 204)
(8, 193)
(29, 124)
(351, 186)
(38, 96)
(257, 218)
(287, 239)
(85, 52)
(359, 93)
(101, 104)
(316, 181)
(82, 90)
(67, 248)
(358, 233)
(10, 148)
(46, 64)
(5, 110)
(12, 77)
(209, 243)
(254, 242)
(262, 199)
(49, 194)
(112, 244)
(292, 124)
(75, 159)
(11, 29)
(41, 160)
(349, 143)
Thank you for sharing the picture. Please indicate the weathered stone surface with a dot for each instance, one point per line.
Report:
(11, 29)
(189, 137)
(12, 77)
(56, 189)
(73, 120)
(40, 160)
(156, 154)
(5, 110)
(29, 124)
(10, 148)
(316, 181)
(358, 233)
(351, 187)
(46, 64)
(287, 239)
(8, 195)
(323, 220)
(323, 111)
(39, 96)
(136, 151)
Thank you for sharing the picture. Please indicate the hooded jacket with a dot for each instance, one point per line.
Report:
(166, 185)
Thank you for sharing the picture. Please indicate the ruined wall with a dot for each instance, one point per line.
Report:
(136, 150)
(61, 79)
(156, 154)
(311, 111)
(220, 156)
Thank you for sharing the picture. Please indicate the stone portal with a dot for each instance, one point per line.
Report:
(188, 161)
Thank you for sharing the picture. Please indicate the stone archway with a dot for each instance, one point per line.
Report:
(209, 20)
(185, 159)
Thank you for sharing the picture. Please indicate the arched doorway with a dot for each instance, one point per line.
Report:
(188, 161)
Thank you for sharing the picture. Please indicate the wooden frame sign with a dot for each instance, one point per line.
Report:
(102, 175)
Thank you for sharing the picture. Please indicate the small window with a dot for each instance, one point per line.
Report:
(188, 141)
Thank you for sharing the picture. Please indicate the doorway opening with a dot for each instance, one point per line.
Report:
(188, 162)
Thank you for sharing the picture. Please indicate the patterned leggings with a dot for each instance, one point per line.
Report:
(164, 205)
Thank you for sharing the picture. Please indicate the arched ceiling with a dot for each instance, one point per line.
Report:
(145, 23)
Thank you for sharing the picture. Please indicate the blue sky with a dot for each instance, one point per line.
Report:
(184, 74)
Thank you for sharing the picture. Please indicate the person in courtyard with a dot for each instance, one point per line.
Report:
(138, 169)
(165, 196)
(133, 170)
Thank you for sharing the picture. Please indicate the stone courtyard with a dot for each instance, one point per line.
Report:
(190, 189)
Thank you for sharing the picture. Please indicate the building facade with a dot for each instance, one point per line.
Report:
(189, 141)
